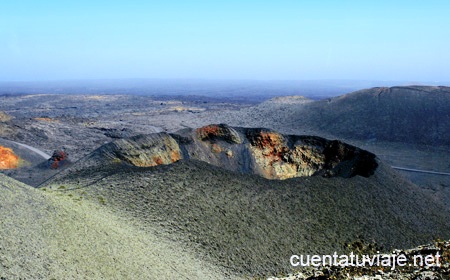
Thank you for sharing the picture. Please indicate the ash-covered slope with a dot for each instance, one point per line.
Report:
(47, 235)
(256, 151)
(244, 222)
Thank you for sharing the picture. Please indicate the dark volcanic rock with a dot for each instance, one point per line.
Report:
(114, 132)
(58, 159)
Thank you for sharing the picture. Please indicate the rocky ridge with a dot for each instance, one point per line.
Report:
(246, 150)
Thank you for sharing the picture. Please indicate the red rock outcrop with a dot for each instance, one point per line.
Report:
(214, 132)
(271, 153)
(8, 159)
(58, 159)
(276, 159)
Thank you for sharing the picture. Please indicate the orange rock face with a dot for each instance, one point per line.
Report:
(8, 160)
(215, 132)
(158, 160)
(276, 160)
(270, 153)
(175, 156)
(168, 157)
(271, 144)
(208, 131)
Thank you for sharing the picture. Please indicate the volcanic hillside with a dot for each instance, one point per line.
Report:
(243, 222)
(46, 235)
(415, 114)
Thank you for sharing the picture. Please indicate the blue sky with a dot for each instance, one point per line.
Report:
(274, 40)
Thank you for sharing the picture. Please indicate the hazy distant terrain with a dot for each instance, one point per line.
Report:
(237, 90)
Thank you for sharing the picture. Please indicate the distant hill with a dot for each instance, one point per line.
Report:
(414, 114)
(402, 114)
(247, 224)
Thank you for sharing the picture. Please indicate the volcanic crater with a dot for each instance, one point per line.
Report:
(260, 151)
